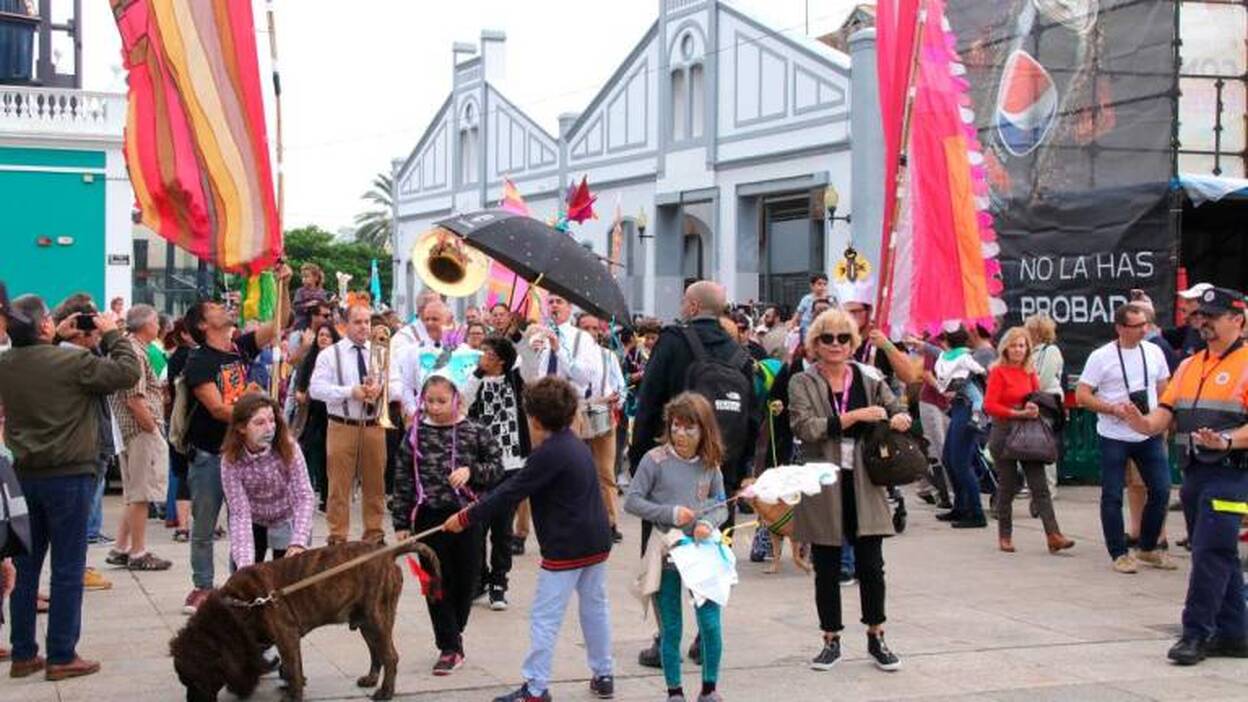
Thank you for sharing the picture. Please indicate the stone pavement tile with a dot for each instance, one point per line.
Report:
(31, 689)
(1091, 692)
(1204, 683)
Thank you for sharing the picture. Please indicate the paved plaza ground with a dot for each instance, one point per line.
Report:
(969, 623)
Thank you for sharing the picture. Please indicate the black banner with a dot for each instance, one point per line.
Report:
(1074, 105)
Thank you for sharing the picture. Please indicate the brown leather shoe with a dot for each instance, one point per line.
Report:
(1006, 544)
(73, 669)
(30, 666)
(1057, 542)
(4, 654)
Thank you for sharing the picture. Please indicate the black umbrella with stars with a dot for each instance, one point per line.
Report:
(546, 257)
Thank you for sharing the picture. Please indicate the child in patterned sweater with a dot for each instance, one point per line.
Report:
(444, 463)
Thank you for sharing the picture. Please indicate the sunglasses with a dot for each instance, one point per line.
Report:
(844, 338)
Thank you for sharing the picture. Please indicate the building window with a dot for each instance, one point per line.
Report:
(468, 142)
(680, 99)
(697, 101)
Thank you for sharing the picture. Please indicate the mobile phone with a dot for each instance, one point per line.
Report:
(85, 322)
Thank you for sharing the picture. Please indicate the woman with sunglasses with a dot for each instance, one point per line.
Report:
(833, 403)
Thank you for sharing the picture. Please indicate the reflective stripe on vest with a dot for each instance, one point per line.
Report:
(1230, 507)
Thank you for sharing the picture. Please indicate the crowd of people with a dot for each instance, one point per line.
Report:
(563, 425)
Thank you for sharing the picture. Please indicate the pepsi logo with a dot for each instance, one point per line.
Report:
(1026, 104)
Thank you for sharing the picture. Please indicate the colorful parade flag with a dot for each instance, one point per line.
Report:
(374, 285)
(939, 263)
(196, 145)
(504, 285)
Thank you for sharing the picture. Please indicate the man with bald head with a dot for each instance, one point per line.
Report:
(406, 376)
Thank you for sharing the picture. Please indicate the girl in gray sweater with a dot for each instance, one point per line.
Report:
(675, 482)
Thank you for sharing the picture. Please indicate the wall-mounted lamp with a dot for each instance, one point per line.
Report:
(641, 226)
(831, 199)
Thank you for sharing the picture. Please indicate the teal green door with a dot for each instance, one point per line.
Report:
(52, 222)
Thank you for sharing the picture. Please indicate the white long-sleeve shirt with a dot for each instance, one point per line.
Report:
(578, 359)
(333, 387)
(407, 376)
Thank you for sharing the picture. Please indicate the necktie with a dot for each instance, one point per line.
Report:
(360, 364)
(552, 360)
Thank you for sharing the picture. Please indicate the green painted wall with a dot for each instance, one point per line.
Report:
(35, 203)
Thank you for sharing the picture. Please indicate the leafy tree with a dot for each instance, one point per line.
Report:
(374, 226)
(312, 244)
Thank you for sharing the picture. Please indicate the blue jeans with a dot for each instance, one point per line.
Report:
(1215, 589)
(847, 558)
(58, 523)
(95, 521)
(206, 500)
(1150, 458)
(961, 443)
(554, 589)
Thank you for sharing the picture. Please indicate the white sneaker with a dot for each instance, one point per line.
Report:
(1126, 564)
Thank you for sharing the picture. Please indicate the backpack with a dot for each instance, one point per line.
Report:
(725, 384)
(14, 518)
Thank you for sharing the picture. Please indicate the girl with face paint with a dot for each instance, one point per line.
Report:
(265, 481)
(679, 485)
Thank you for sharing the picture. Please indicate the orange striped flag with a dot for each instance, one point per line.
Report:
(196, 145)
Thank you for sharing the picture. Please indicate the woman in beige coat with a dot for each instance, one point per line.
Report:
(832, 404)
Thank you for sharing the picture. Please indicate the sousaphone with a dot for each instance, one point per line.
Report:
(448, 265)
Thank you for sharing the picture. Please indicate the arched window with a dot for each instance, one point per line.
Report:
(468, 140)
(688, 87)
(697, 101)
(680, 99)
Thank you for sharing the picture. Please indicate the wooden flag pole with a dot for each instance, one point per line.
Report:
(279, 307)
(888, 247)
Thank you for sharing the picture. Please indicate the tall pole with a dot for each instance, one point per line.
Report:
(888, 247)
(279, 307)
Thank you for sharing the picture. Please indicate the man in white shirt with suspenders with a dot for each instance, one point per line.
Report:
(356, 444)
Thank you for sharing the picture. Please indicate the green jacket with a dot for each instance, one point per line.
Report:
(51, 395)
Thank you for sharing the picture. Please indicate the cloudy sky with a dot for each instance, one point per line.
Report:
(362, 79)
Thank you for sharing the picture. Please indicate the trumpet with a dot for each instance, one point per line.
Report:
(379, 358)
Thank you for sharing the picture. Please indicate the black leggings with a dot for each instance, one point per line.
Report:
(868, 564)
(496, 535)
(458, 555)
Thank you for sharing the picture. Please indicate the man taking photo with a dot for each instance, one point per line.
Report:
(51, 396)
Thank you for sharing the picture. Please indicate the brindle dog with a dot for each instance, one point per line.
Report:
(222, 644)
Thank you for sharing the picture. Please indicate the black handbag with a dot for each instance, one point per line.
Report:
(892, 457)
(1030, 440)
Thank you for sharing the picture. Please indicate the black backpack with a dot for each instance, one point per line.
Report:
(726, 386)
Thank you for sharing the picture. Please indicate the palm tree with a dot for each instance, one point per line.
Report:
(374, 226)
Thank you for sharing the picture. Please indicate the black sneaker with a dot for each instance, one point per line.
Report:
(517, 546)
(847, 579)
(829, 656)
(884, 658)
(651, 657)
(927, 497)
(695, 650)
(1187, 651)
(523, 695)
(498, 598)
(616, 536)
(970, 523)
(951, 516)
(1219, 647)
(602, 686)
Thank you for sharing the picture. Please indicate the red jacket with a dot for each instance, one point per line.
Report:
(1007, 386)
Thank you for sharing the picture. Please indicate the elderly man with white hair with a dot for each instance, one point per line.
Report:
(145, 455)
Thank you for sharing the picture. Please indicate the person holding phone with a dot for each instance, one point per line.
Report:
(1129, 370)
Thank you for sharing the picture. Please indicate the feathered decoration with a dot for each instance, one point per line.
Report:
(578, 206)
(260, 299)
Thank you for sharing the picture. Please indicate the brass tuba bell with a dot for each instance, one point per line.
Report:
(448, 265)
